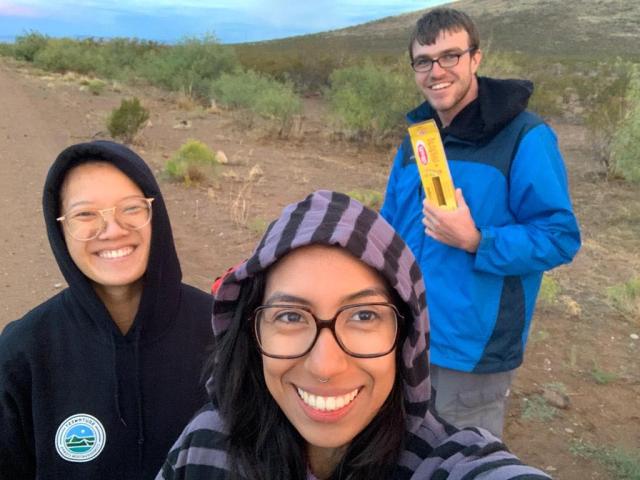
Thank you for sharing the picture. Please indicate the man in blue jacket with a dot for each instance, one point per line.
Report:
(483, 262)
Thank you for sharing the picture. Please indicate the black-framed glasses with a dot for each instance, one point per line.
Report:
(362, 330)
(447, 60)
(85, 223)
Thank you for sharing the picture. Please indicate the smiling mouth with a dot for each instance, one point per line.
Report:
(326, 404)
(440, 86)
(119, 253)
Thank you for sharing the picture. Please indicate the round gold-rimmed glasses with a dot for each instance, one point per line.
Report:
(85, 223)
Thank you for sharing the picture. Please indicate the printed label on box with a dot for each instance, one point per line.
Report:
(432, 164)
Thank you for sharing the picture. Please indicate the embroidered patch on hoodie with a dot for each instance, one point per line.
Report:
(80, 438)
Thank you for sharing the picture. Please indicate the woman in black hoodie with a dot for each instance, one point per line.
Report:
(98, 381)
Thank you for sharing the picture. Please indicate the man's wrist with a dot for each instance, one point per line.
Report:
(474, 242)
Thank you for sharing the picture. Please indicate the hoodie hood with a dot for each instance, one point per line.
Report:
(331, 218)
(163, 276)
(499, 101)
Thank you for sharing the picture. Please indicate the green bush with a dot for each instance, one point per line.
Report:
(537, 408)
(125, 121)
(27, 46)
(194, 162)
(123, 56)
(549, 290)
(189, 66)
(369, 198)
(96, 86)
(625, 297)
(260, 95)
(608, 105)
(499, 64)
(65, 54)
(602, 377)
(623, 463)
(7, 50)
(371, 100)
(308, 70)
(625, 145)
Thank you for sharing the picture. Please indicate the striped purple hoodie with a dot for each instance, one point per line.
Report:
(433, 449)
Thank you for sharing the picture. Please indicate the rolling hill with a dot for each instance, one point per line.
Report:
(587, 30)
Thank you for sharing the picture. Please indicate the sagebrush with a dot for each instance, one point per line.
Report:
(194, 162)
(258, 95)
(125, 122)
(188, 66)
(370, 101)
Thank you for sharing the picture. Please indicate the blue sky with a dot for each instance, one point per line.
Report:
(170, 20)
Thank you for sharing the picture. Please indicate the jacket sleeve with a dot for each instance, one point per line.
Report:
(16, 441)
(389, 206)
(545, 233)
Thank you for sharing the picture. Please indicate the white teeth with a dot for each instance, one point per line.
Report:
(122, 252)
(326, 404)
(439, 86)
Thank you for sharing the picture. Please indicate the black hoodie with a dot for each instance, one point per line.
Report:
(498, 102)
(79, 399)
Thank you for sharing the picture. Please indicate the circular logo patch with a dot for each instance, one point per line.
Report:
(80, 438)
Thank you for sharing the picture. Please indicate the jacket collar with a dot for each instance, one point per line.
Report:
(499, 101)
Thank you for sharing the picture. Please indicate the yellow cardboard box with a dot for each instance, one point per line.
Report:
(432, 164)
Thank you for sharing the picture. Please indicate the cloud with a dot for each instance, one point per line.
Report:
(14, 10)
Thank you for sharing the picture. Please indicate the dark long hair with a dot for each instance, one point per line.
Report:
(263, 444)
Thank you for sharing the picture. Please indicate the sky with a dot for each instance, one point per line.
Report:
(231, 21)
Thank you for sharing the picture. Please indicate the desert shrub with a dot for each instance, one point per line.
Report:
(625, 145)
(122, 56)
(125, 121)
(194, 162)
(64, 54)
(257, 225)
(189, 66)
(27, 46)
(623, 463)
(554, 86)
(370, 101)
(499, 64)
(537, 408)
(308, 71)
(96, 86)
(370, 198)
(625, 297)
(602, 377)
(609, 103)
(549, 290)
(260, 95)
(7, 50)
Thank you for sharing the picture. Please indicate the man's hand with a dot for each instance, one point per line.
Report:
(455, 228)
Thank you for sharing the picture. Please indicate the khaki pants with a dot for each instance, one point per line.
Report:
(472, 399)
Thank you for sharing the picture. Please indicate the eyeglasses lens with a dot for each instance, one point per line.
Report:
(366, 329)
(87, 223)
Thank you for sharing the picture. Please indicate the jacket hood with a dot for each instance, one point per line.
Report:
(332, 218)
(163, 276)
(499, 101)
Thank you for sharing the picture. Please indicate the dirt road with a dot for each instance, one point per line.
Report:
(29, 138)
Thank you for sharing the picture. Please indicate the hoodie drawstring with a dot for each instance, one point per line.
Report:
(116, 384)
(139, 397)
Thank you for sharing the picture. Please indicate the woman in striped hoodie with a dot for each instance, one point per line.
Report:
(322, 369)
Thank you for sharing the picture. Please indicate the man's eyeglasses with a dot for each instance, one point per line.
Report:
(85, 224)
(363, 330)
(448, 60)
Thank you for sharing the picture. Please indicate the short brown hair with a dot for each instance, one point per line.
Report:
(429, 26)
